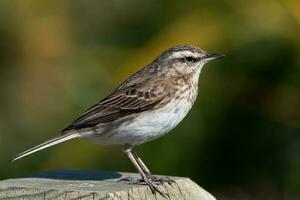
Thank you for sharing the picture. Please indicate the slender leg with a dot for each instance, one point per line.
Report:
(128, 150)
(141, 163)
(129, 153)
(156, 179)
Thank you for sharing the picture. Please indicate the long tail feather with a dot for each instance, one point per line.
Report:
(46, 144)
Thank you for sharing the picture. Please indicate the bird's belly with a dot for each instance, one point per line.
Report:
(148, 125)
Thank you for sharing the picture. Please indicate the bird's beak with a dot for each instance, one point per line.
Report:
(213, 56)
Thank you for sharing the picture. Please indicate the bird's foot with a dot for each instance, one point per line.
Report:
(159, 180)
(151, 181)
(154, 188)
(131, 180)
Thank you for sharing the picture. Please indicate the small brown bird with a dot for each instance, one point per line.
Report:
(146, 106)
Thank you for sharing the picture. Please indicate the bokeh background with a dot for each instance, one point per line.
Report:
(240, 141)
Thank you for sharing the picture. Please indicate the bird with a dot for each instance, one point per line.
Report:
(146, 106)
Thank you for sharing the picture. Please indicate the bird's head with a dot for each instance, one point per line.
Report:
(186, 59)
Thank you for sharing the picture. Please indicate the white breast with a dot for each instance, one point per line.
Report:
(147, 126)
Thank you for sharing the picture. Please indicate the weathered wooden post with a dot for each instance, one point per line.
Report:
(73, 184)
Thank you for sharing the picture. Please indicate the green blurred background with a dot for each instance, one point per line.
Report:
(240, 141)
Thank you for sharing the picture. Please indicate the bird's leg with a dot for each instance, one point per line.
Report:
(156, 179)
(128, 150)
(141, 163)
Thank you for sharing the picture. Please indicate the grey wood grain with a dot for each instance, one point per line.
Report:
(74, 184)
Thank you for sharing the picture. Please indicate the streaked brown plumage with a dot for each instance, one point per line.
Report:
(124, 101)
(146, 106)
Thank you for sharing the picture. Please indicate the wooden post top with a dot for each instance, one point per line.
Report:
(75, 184)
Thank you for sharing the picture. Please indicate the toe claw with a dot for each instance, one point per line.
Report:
(161, 180)
(152, 182)
(130, 180)
(154, 189)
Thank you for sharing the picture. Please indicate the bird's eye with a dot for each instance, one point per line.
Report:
(190, 59)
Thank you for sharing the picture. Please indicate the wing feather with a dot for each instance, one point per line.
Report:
(119, 104)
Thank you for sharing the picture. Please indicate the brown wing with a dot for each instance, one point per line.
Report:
(121, 103)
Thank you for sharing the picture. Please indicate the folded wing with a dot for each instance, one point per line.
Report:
(123, 102)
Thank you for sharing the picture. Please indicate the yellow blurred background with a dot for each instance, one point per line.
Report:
(240, 141)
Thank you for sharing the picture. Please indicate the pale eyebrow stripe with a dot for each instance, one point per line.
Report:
(180, 54)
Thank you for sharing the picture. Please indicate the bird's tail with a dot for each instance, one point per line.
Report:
(45, 145)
